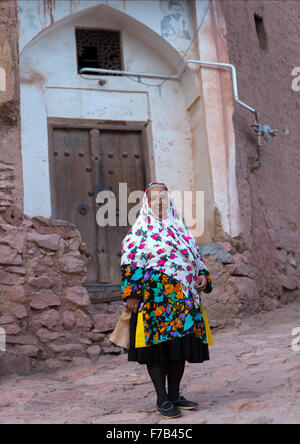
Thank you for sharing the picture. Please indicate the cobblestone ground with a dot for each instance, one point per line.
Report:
(253, 377)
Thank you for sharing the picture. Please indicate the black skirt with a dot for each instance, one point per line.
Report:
(188, 347)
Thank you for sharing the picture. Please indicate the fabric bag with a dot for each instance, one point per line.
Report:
(121, 334)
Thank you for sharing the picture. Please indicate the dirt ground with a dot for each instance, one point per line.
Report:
(252, 377)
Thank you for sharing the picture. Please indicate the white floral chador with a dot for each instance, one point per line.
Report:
(164, 244)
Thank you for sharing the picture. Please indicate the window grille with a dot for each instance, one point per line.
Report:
(98, 48)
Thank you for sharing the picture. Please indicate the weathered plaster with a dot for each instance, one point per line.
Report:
(58, 91)
(217, 100)
(191, 120)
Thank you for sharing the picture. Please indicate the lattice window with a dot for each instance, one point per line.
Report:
(98, 48)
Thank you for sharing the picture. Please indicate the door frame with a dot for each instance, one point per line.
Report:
(103, 292)
(143, 127)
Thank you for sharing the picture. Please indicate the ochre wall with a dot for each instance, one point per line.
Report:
(268, 196)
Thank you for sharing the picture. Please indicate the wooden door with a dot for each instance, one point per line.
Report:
(82, 163)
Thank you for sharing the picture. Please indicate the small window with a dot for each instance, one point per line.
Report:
(98, 48)
(261, 33)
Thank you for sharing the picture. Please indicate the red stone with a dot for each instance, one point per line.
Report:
(49, 319)
(29, 350)
(16, 239)
(93, 352)
(78, 296)
(14, 363)
(71, 264)
(105, 321)
(68, 320)
(66, 348)
(42, 282)
(19, 312)
(12, 329)
(6, 319)
(46, 336)
(21, 339)
(44, 299)
(83, 320)
(16, 270)
(9, 256)
(7, 278)
(17, 294)
(48, 241)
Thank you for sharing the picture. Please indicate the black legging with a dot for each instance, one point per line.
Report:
(159, 371)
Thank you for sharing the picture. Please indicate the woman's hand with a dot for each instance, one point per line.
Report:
(132, 304)
(201, 282)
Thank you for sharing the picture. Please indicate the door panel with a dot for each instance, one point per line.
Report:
(121, 161)
(73, 187)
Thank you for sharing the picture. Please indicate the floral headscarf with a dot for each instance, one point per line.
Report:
(165, 244)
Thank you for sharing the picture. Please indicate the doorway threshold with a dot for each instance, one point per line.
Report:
(104, 292)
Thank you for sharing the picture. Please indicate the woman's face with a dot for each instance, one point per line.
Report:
(158, 199)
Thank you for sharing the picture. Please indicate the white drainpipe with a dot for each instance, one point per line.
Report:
(128, 73)
(177, 76)
(234, 79)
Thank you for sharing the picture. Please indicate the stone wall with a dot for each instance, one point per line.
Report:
(44, 307)
(46, 312)
(237, 288)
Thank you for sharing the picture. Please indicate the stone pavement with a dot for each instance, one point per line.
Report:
(253, 377)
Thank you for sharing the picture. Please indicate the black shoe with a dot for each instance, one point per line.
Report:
(168, 409)
(183, 403)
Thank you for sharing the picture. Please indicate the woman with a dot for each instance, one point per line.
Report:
(163, 272)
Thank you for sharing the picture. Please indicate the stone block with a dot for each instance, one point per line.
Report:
(9, 256)
(68, 319)
(93, 352)
(19, 312)
(16, 270)
(17, 294)
(12, 329)
(6, 319)
(78, 296)
(7, 278)
(289, 282)
(66, 348)
(16, 239)
(82, 320)
(29, 350)
(269, 304)
(21, 339)
(14, 363)
(48, 241)
(54, 364)
(96, 336)
(49, 319)
(45, 299)
(71, 264)
(46, 336)
(105, 321)
(81, 361)
(41, 282)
